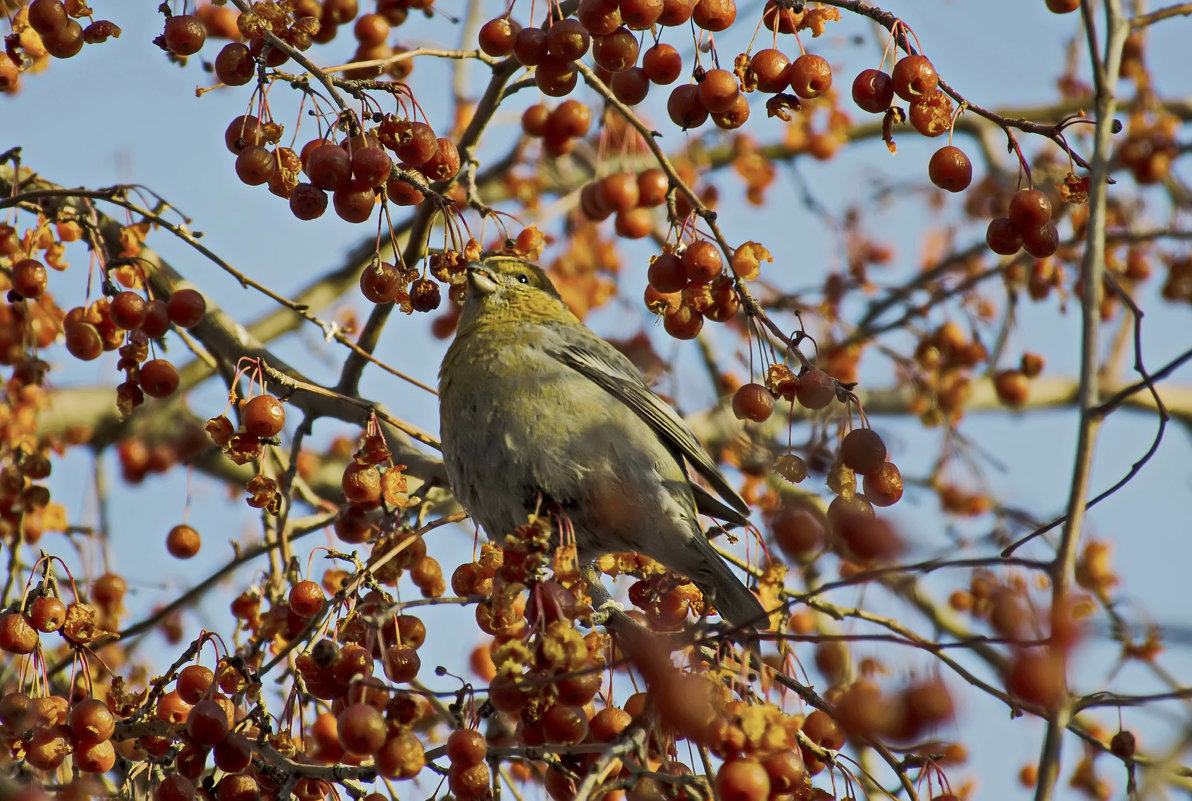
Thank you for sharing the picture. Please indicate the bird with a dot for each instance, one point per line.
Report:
(537, 411)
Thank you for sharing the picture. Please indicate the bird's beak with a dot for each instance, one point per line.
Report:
(480, 280)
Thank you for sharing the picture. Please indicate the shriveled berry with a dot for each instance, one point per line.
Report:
(914, 77)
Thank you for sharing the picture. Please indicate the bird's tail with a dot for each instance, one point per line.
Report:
(719, 584)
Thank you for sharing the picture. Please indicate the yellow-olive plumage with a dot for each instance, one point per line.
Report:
(536, 412)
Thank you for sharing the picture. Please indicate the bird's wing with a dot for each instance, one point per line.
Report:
(609, 368)
(708, 504)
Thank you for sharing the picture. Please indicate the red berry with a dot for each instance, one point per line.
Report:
(630, 86)
(186, 308)
(95, 757)
(742, 779)
(810, 75)
(444, 164)
(666, 273)
(496, 37)
(702, 262)
(950, 169)
(640, 15)
(361, 484)
(883, 486)
(128, 310)
(264, 416)
(329, 167)
(652, 186)
(781, 18)
(599, 17)
(534, 120)
(29, 278)
(159, 378)
(82, 340)
(662, 64)
(307, 201)
(417, 143)
(735, 116)
(47, 614)
(684, 323)
(529, 46)
(1012, 387)
(183, 542)
(234, 64)
(714, 15)
(1029, 209)
(46, 16)
(157, 319)
(371, 30)
(685, 108)
(255, 165)
(370, 167)
(798, 530)
(306, 599)
(243, 131)
(1003, 237)
(862, 450)
(618, 191)
(753, 402)
(64, 42)
(1041, 242)
(184, 35)
(567, 39)
(354, 206)
(90, 720)
(772, 70)
(380, 283)
(207, 723)
(361, 729)
(873, 91)
(635, 223)
(617, 51)
(467, 746)
(816, 389)
(676, 12)
(718, 91)
(570, 120)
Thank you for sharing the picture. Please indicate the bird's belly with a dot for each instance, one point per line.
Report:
(591, 458)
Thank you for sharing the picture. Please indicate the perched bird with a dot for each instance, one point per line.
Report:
(538, 412)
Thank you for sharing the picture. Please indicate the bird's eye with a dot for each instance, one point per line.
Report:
(522, 278)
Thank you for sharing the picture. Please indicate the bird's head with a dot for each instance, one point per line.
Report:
(507, 289)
